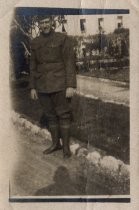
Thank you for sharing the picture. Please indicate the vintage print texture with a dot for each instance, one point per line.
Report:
(69, 80)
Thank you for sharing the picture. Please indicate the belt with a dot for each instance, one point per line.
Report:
(50, 63)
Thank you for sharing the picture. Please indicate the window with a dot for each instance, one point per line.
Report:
(100, 24)
(82, 25)
(63, 28)
(64, 21)
(119, 21)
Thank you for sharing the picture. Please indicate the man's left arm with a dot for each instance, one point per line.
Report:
(70, 66)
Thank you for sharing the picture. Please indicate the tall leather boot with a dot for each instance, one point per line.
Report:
(54, 130)
(65, 134)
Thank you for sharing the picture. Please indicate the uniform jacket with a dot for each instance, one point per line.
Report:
(52, 63)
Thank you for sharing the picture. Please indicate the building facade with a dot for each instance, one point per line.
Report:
(84, 25)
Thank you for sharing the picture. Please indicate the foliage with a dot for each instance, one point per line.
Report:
(23, 29)
(92, 52)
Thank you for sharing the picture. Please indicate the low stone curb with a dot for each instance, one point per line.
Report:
(108, 165)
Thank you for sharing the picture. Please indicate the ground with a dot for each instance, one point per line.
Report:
(101, 122)
(105, 90)
(121, 74)
(39, 175)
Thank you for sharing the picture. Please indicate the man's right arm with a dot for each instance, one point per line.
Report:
(33, 66)
(34, 95)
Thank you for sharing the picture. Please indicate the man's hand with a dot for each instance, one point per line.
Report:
(34, 95)
(70, 92)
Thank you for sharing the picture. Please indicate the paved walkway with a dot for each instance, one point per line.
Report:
(106, 90)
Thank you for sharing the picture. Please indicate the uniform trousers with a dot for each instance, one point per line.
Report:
(56, 107)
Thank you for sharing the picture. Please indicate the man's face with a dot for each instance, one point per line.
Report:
(45, 25)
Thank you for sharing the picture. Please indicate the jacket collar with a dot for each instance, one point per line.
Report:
(47, 35)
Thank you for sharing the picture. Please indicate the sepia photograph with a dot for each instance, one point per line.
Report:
(69, 90)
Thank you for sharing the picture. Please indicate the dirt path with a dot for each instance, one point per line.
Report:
(39, 175)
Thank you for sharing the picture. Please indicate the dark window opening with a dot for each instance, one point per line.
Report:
(82, 25)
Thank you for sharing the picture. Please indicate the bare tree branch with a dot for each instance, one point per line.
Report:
(26, 50)
(27, 34)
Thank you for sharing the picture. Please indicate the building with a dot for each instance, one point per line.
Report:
(84, 25)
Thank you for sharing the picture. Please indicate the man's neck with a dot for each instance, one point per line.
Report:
(47, 34)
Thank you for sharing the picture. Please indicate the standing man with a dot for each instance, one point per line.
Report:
(53, 81)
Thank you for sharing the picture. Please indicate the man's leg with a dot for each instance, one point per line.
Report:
(62, 107)
(49, 111)
(54, 130)
(65, 135)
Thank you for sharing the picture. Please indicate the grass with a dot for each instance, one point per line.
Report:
(103, 125)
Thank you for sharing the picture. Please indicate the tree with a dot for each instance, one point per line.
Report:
(23, 30)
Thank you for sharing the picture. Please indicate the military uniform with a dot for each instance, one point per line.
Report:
(52, 63)
(52, 71)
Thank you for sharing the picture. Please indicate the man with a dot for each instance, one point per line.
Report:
(53, 81)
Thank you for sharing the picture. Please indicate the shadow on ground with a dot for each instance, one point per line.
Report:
(36, 174)
(66, 187)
